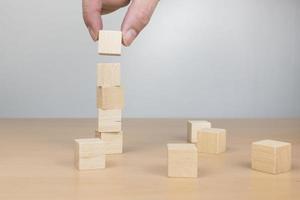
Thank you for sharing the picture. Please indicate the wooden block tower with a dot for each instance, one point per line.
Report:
(110, 96)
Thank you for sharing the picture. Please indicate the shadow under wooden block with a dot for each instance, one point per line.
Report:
(211, 140)
(89, 154)
(113, 141)
(110, 98)
(108, 74)
(182, 160)
(109, 42)
(271, 156)
(193, 126)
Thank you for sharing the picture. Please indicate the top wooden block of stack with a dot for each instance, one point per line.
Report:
(110, 43)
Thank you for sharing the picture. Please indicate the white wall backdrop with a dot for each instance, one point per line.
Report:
(197, 58)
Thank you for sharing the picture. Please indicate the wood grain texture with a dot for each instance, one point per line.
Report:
(113, 141)
(271, 156)
(211, 140)
(110, 98)
(110, 42)
(37, 155)
(193, 126)
(182, 160)
(89, 154)
(108, 74)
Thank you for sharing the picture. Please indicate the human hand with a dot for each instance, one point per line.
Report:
(136, 18)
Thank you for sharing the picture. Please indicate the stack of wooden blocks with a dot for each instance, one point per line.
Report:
(110, 102)
(110, 96)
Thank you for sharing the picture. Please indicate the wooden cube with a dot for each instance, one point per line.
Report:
(109, 98)
(113, 141)
(89, 154)
(109, 126)
(182, 160)
(193, 126)
(211, 140)
(110, 42)
(271, 156)
(113, 115)
(108, 74)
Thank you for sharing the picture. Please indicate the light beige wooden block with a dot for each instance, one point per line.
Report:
(113, 141)
(182, 160)
(110, 98)
(110, 42)
(211, 140)
(193, 126)
(113, 115)
(89, 153)
(108, 74)
(109, 126)
(271, 156)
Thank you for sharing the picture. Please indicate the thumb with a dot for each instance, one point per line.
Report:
(137, 17)
(92, 16)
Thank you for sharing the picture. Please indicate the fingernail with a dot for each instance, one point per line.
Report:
(129, 36)
(93, 35)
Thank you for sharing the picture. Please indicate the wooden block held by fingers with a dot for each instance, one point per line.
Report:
(211, 140)
(89, 154)
(182, 160)
(110, 42)
(271, 156)
(193, 126)
(110, 98)
(113, 141)
(108, 74)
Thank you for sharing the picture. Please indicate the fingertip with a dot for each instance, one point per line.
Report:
(93, 34)
(129, 36)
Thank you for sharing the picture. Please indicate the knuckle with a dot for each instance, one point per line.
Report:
(143, 17)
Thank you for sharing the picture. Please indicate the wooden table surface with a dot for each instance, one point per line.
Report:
(36, 162)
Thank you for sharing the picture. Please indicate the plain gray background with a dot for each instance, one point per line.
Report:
(212, 58)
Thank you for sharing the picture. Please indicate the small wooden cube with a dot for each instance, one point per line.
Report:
(109, 126)
(108, 74)
(113, 115)
(109, 98)
(113, 141)
(271, 156)
(89, 154)
(110, 42)
(182, 160)
(211, 140)
(193, 126)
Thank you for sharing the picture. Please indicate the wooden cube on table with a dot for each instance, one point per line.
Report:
(271, 156)
(89, 153)
(193, 126)
(182, 160)
(108, 74)
(109, 42)
(109, 98)
(211, 140)
(113, 141)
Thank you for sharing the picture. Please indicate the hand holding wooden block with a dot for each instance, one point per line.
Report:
(271, 156)
(193, 126)
(182, 160)
(110, 42)
(211, 140)
(110, 98)
(108, 74)
(89, 154)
